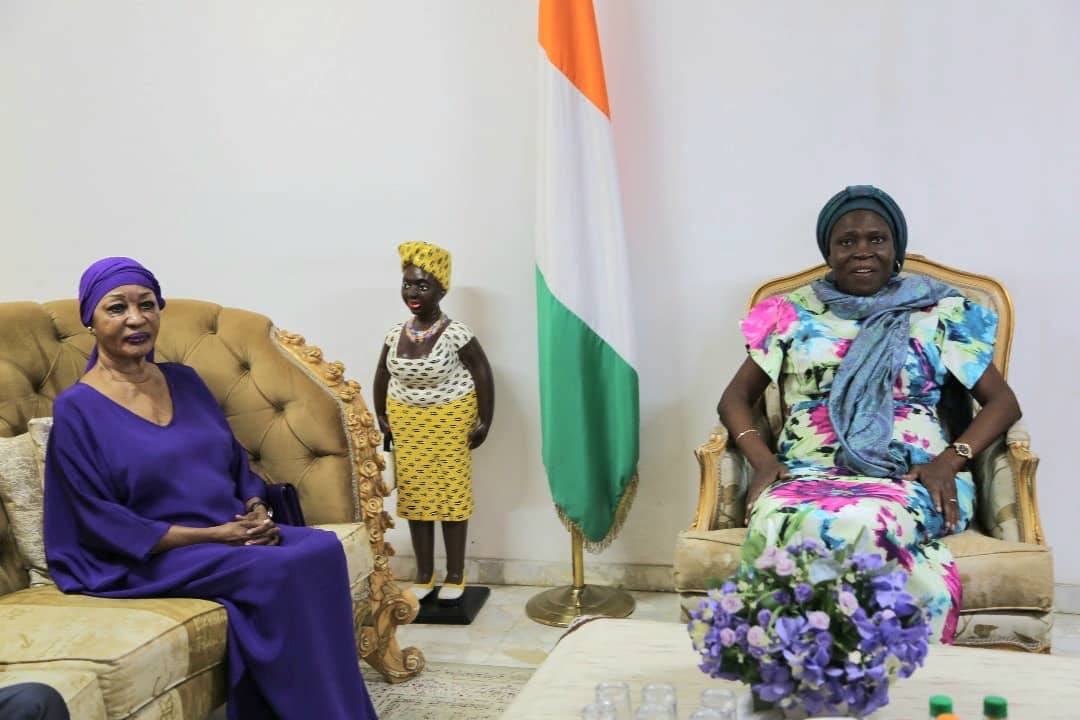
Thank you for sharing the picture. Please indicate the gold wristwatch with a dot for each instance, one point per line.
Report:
(963, 450)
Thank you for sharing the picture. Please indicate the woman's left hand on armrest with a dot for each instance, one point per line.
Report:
(999, 411)
(939, 478)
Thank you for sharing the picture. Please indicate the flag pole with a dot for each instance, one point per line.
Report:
(560, 606)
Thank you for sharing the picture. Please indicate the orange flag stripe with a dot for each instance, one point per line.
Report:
(568, 36)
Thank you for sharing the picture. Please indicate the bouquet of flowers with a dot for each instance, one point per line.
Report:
(812, 630)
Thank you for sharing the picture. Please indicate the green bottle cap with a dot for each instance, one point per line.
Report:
(939, 705)
(995, 707)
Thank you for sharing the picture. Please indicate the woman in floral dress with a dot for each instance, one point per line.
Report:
(861, 358)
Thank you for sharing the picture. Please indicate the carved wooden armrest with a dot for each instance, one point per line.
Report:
(722, 483)
(1024, 463)
(1004, 473)
(390, 606)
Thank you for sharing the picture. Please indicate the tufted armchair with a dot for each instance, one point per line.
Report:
(1005, 566)
(301, 422)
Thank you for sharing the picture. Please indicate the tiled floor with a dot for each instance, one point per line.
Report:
(503, 635)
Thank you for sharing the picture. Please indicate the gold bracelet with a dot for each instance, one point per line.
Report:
(751, 430)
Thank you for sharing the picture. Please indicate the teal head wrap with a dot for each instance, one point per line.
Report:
(862, 197)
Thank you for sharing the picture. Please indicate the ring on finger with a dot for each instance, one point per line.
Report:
(953, 500)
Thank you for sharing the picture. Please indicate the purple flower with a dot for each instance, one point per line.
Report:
(803, 592)
(727, 637)
(888, 587)
(776, 683)
(867, 561)
(788, 629)
(818, 619)
(763, 617)
(785, 565)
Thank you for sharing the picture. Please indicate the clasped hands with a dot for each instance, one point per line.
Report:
(253, 528)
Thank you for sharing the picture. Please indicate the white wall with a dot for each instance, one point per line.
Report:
(271, 155)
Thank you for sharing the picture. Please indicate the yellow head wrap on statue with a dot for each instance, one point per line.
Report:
(430, 258)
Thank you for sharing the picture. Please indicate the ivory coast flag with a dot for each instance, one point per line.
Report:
(588, 378)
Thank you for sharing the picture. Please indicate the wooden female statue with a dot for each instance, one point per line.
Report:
(435, 397)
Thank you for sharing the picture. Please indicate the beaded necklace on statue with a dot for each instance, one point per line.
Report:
(419, 336)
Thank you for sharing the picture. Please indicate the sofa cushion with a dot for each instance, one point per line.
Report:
(996, 575)
(1024, 631)
(137, 648)
(79, 689)
(358, 555)
(705, 556)
(22, 476)
(1001, 575)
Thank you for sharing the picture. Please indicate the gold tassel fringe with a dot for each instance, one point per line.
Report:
(621, 513)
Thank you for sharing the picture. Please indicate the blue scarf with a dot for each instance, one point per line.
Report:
(861, 399)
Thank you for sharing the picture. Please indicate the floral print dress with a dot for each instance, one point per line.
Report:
(800, 344)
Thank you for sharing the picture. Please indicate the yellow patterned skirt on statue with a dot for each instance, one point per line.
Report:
(432, 460)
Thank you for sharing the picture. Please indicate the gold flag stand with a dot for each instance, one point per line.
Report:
(560, 606)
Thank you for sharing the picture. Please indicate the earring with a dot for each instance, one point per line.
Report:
(898, 267)
(90, 329)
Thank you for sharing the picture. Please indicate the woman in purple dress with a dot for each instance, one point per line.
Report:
(148, 494)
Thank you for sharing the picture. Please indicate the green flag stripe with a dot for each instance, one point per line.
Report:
(589, 416)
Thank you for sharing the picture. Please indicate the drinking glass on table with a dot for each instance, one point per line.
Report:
(661, 694)
(652, 711)
(706, 713)
(599, 711)
(721, 700)
(617, 693)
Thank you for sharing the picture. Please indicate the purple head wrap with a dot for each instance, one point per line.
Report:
(106, 275)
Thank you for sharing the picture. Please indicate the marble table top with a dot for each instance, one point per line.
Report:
(640, 652)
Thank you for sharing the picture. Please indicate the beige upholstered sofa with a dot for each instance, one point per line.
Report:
(300, 420)
(1005, 566)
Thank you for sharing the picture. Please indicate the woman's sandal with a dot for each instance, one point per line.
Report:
(450, 593)
(422, 590)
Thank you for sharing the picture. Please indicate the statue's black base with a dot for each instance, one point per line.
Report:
(456, 612)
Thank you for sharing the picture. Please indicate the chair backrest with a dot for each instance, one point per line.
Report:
(295, 428)
(982, 289)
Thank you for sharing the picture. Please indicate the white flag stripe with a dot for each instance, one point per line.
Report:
(580, 247)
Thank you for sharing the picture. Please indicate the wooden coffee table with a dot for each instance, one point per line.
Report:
(639, 652)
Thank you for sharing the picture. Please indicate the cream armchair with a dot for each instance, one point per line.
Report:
(1005, 566)
(301, 422)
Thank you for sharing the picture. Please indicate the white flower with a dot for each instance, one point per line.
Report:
(785, 565)
(731, 603)
(757, 637)
(766, 559)
(854, 657)
(848, 603)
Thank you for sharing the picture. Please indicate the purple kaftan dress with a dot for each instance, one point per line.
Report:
(114, 484)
